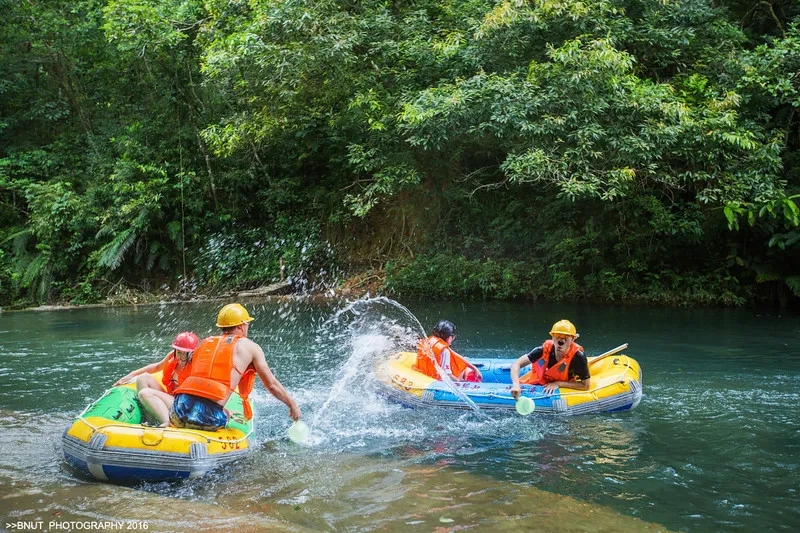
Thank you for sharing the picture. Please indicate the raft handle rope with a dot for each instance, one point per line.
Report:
(181, 430)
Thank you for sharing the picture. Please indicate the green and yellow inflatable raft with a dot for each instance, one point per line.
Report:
(109, 441)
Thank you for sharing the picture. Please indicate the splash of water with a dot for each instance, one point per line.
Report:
(365, 348)
(373, 338)
(429, 351)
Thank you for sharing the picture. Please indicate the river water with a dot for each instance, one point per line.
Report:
(714, 445)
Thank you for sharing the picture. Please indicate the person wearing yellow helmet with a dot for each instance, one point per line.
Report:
(221, 364)
(558, 363)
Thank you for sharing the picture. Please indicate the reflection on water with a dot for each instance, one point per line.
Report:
(362, 496)
(710, 448)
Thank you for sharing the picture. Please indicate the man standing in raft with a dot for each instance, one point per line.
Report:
(454, 365)
(219, 365)
(559, 362)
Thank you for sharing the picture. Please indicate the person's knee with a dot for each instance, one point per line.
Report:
(146, 394)
(146, 381)
(142, 382)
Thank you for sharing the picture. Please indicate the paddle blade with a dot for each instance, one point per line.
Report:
(299, 431)
(525, 406)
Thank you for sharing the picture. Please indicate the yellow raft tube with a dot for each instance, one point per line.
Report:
(109, 441)
(616, 382)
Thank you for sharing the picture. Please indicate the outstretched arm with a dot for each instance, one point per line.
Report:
(522, 362)
(149, 369)
(272, 384)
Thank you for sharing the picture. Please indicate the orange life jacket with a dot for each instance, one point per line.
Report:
(169, 370)
(210, 376)
(425, 365)
(541, 375)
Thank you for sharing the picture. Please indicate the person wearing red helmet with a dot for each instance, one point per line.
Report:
(156, 396)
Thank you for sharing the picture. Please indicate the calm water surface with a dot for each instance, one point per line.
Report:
(714, 445)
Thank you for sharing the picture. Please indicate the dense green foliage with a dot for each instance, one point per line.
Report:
(622, 150)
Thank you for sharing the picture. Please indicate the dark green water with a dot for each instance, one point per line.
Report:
(714, 445)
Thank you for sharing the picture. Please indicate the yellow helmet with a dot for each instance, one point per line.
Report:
(564, 327)
(233, 315)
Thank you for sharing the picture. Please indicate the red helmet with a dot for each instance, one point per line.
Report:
(186, 341)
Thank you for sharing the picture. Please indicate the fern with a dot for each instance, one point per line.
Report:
(32, 269)
(153, 254)
(174, 230)
(112, 254)
(793, 282)
(44, 281)
(36, 274)
(20, 239)
(763, 276)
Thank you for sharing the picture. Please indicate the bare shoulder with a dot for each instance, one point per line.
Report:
(248, 348)
(246, 343)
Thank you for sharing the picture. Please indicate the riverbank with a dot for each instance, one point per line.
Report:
(397, 283)
(351, 288)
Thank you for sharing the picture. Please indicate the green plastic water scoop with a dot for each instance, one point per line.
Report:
(299, 431)
(525, 405)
